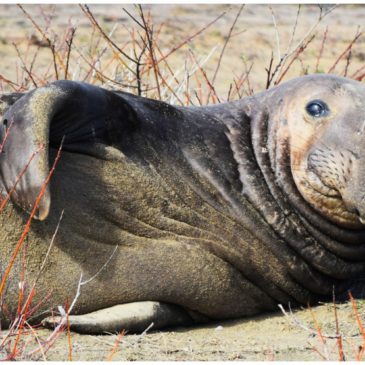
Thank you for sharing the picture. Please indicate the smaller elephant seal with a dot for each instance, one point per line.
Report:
(177, 215)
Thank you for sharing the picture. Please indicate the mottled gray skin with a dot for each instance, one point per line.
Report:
(223, 211)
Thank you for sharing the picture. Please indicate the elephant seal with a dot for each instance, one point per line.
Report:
(190, 213)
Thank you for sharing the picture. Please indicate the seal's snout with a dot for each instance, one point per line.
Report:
(336, 177)
(334, 182)
(353, 191)
(333, 168)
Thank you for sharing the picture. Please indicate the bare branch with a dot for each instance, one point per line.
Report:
(228, 37)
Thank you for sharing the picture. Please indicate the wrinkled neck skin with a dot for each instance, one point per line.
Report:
(316, 251)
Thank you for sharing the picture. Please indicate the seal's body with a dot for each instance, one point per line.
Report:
(210, 213)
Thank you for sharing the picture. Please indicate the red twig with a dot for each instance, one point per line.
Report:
(6, 135)
(184, 42)
(24, 316)
(115, 347)
(226, 42)
(348, 48)
(28, 224)
(211, 87)
(20, 175)
(338, 335)
(296, 55)
(318, 328)
(361, 327)
(321, 49)
(68, 333)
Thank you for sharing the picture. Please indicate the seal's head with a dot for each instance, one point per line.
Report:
(325, 126)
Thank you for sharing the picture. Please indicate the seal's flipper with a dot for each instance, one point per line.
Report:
(132, 317)
(81, 115)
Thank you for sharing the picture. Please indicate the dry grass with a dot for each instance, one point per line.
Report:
(330, 346)
(139, 56)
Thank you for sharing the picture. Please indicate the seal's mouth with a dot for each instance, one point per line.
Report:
(315, 182)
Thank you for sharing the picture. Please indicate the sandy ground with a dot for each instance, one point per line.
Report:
(269, 337)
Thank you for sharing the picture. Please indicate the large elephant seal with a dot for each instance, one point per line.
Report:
(193, 213)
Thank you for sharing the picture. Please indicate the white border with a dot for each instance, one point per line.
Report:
(278, 2)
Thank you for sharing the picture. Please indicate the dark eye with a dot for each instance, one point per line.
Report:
(317, 108)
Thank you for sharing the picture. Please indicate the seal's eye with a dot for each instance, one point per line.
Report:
(317, 108)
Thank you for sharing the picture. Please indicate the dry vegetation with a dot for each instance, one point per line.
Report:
(186, 55)
(203, 55)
